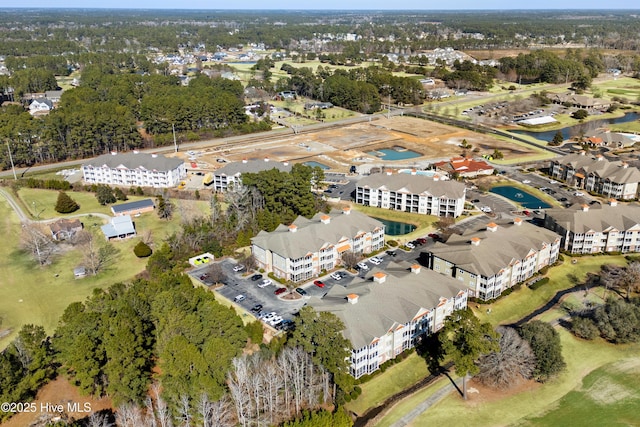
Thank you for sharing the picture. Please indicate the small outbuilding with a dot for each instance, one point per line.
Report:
(79, 272)
(120, 227)
(133, 208)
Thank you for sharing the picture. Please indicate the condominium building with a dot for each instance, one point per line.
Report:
(615, 180)
(412, 193)
(134, 169)
(303, 249)
(593, 229)
(495, 258)
(231, 174)
(390, 310)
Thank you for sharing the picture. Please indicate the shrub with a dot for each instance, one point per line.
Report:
(545, 343)
(66, 204)
(142, 250)
(255, 332)
(584, 328)
(539, 283)
(392, 243)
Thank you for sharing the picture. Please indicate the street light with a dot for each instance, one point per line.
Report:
(13, 168)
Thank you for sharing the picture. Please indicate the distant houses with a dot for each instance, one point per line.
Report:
(596, 174)
(134, 169)
(412, 192)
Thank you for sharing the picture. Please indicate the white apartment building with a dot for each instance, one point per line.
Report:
(492, 260)
(596, 229)
(305, 248)
(615, 180)
(412, 193)
(390, 310)
(231, 174)
(134, 169)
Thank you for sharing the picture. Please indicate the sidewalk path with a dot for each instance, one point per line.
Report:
(426, 404)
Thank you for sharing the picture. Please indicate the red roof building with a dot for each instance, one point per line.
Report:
(465, 166)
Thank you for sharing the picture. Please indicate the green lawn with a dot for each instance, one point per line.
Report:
(393, 380)
(43, 202)
(582, 357)
(513, 307)
(32, 294)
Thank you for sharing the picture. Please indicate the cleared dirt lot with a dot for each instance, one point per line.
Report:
(338, 148)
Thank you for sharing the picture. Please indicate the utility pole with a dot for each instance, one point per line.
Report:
(175, 144)
(13, 168)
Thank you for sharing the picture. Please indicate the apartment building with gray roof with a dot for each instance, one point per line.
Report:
(596, 174)
(596, 229)
(134, 169)
(411, 192)
(231, 174)
(303, 249)
(389, 310)
(490, 260)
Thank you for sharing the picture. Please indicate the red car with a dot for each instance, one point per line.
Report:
(280, 291)
(421, 240)
(319, 283)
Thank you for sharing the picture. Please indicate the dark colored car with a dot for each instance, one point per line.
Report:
(301, 291)
(256, 277)
(256, 308)
(391, 253)
(280, 291)
(563, 199)
(475, 201)
(421, 240)
(319, 283)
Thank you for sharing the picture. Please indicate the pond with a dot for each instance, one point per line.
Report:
(314, 164)
(394, 154)
(520, 196)
(395, 228)
(580, 129)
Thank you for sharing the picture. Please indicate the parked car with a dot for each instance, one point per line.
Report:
(238, 267)
(256, 308)
(256, 277)
(319, 283)
(239, 298)
(265, 283)
(475, 201)
(362, 266)
(336, 276)
(280, 291)
(410, 245)
(301, 291)
(579, 193)
(421, 240)
(526, 181)
(375, 260)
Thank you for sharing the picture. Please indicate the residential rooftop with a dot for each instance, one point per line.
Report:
(252, 166)
(596, 218)
(618, 172)
(135, 160)
(415, 184)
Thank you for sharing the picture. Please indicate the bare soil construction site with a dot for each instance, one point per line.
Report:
(421, 141)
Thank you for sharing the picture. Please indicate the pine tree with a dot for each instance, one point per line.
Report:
(557, 138)
(66, 204)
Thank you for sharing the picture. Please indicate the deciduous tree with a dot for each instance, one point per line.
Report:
(508, 366)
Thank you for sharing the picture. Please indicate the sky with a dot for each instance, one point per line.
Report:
(326, 4)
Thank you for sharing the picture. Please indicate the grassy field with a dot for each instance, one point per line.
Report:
(36, 201)
(513, 307)
(393, 380)
(545, 400)
(39, 295)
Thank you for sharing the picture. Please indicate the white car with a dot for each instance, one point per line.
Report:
(265, 283)
(363, 265)
(336, 276)
(238, 267)
(526, 181)
(410, 245)
(239, 298)
(579, 193)
(485, 209)
(375, 260)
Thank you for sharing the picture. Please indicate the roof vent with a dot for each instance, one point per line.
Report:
(285, 163)
(293, 228)
(154, 155)
(415, 268)
(245, 161)
(352, 298)
(379, 277)
(414, 172)
(113, 153)
(346, 210)
(135, 151)
(613, 202)
(492, 226)
(325, 219)
(266, 159)
(475, 241)
(585, 208)
(517, 221)
(389, 173)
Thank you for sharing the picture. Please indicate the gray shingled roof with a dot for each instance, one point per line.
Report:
(382, 306)
(597, 218)
(497, 249)
(312, 234)
(252, 166)
(138, 204)
(415, 184)
(135, 161)
(615, 171)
